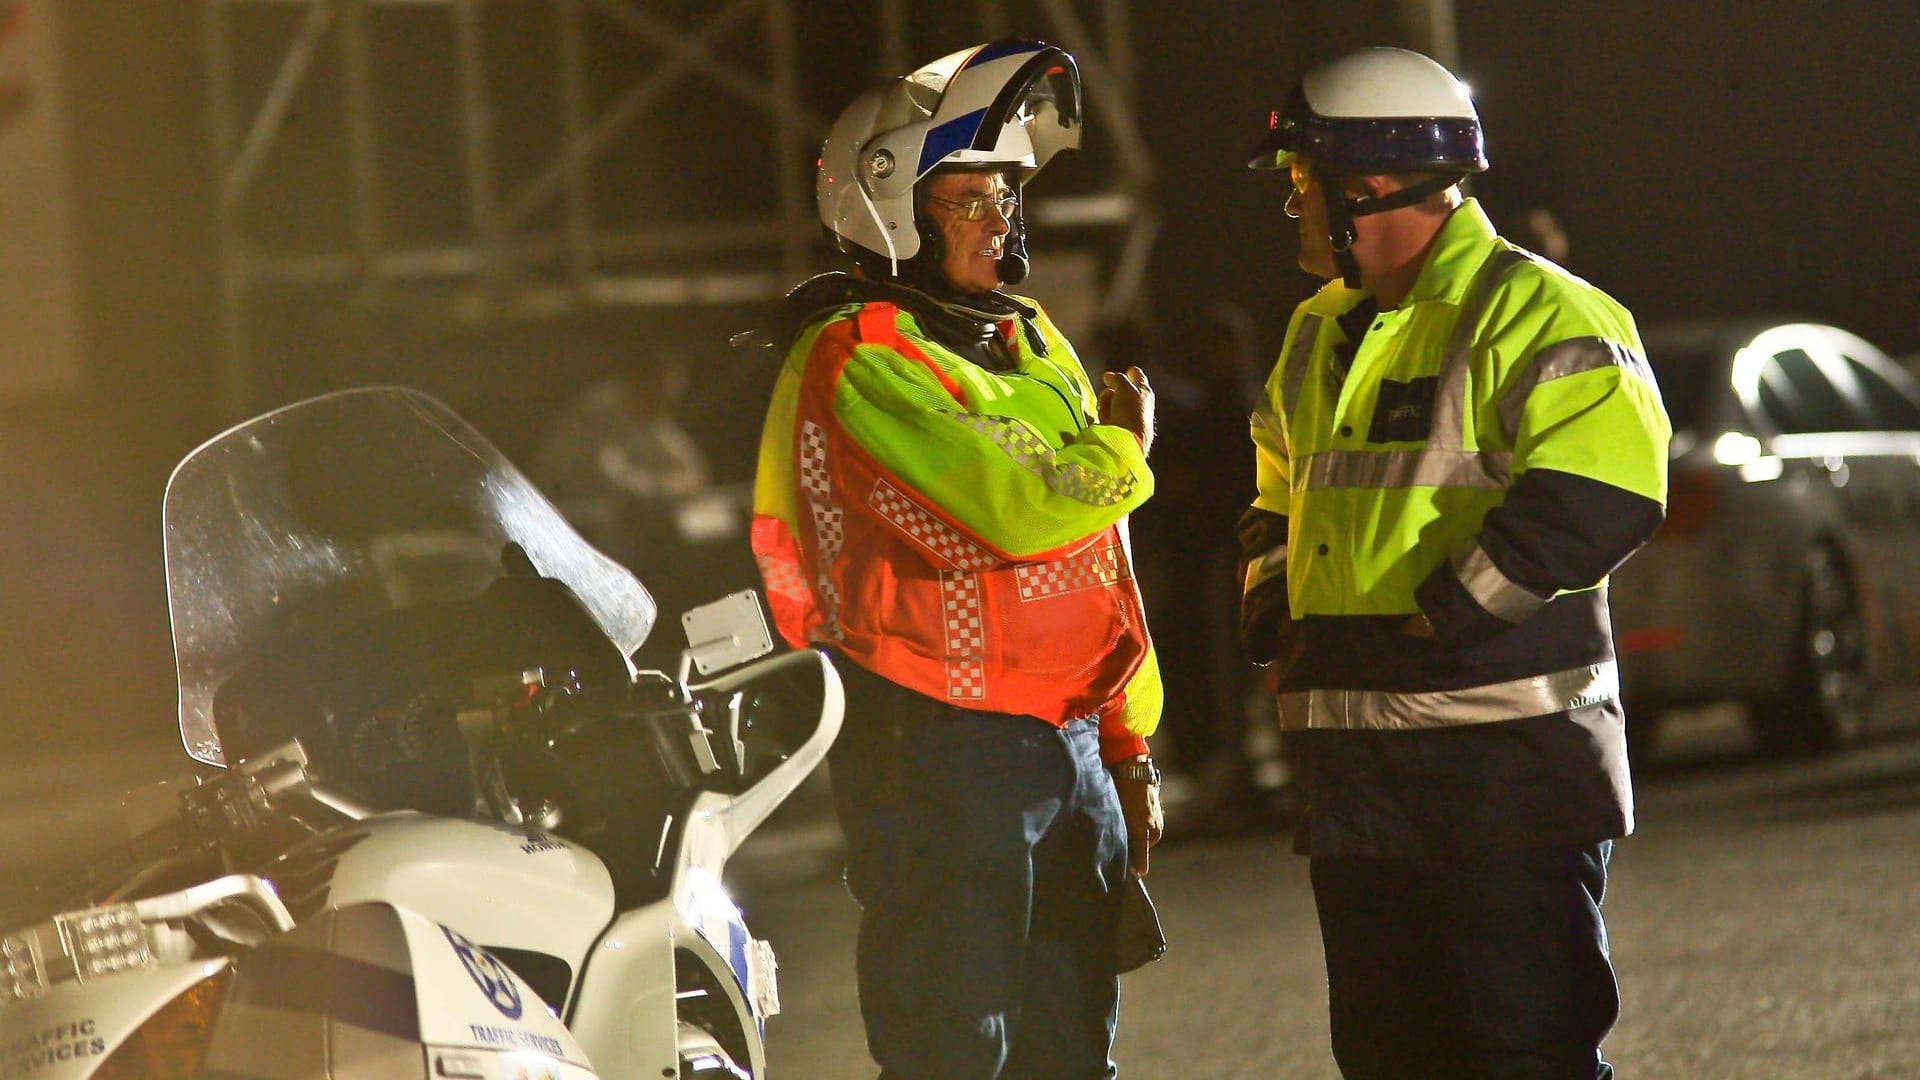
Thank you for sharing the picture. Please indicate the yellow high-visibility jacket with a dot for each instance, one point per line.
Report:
(1483, 455)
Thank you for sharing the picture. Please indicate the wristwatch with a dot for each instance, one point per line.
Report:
(1137, 768)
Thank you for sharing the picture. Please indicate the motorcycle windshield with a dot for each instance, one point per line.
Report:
(355, 504)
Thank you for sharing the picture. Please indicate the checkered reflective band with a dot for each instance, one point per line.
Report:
(1099, 568)
(941, 540)
(966, 635)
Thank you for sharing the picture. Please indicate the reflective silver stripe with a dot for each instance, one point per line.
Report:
(1565, 358)
(1031, 452)
(1265, 568)
(1380, 469)
(1296, 370)
(1377, 710)
(1450, 401)
(1493, 590)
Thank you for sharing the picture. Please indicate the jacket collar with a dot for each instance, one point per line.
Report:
(1463, 243)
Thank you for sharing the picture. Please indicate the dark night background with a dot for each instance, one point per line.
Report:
(1706, 158)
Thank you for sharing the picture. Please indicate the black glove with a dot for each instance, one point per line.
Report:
(1264, 616)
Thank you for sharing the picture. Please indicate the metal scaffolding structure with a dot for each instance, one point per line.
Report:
(538, 238)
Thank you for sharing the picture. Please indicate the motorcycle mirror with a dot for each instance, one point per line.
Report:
(726, 632)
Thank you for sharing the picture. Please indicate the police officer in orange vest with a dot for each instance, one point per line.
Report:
(941, 502)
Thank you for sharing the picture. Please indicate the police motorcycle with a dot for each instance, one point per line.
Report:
(449, 830)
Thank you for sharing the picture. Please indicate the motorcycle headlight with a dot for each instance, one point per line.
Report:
(173, 1042)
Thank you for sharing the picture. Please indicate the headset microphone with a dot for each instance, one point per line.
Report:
(1014, 265)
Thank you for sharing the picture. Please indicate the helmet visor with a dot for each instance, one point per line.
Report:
(1361, 144)
(1028, 87)
(1050, 104)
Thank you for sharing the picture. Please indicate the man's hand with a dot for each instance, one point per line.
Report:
(1128, 402)
(1140, 806)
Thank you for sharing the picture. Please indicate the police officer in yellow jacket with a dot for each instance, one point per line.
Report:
(1458, 443)
(941, 502)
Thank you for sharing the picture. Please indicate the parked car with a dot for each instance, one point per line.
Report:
(1787, 575)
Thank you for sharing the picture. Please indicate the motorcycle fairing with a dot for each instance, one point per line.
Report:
(378, 992)
(505, 886)
(716, 918)
(71, 1031)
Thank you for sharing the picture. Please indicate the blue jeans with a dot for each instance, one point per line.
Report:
(985, 850)
(1490, 966)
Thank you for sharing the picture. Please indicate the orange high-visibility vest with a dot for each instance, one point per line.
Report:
(956, 530)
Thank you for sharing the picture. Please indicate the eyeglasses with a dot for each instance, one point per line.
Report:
(976, 208)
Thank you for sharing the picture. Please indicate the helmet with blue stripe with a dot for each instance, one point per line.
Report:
(1012, 103)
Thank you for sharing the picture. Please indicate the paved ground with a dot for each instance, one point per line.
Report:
(1763, 920)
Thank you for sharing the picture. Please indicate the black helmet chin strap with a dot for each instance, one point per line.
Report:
(1340, 231)
(1343, 208)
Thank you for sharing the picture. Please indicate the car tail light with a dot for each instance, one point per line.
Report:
(173, 1042)
(1693, 497)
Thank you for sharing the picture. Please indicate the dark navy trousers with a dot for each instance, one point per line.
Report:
(1492, 966)
(986, 851)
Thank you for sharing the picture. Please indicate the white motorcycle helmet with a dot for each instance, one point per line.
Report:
(1013, 102)
(1378, 110)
